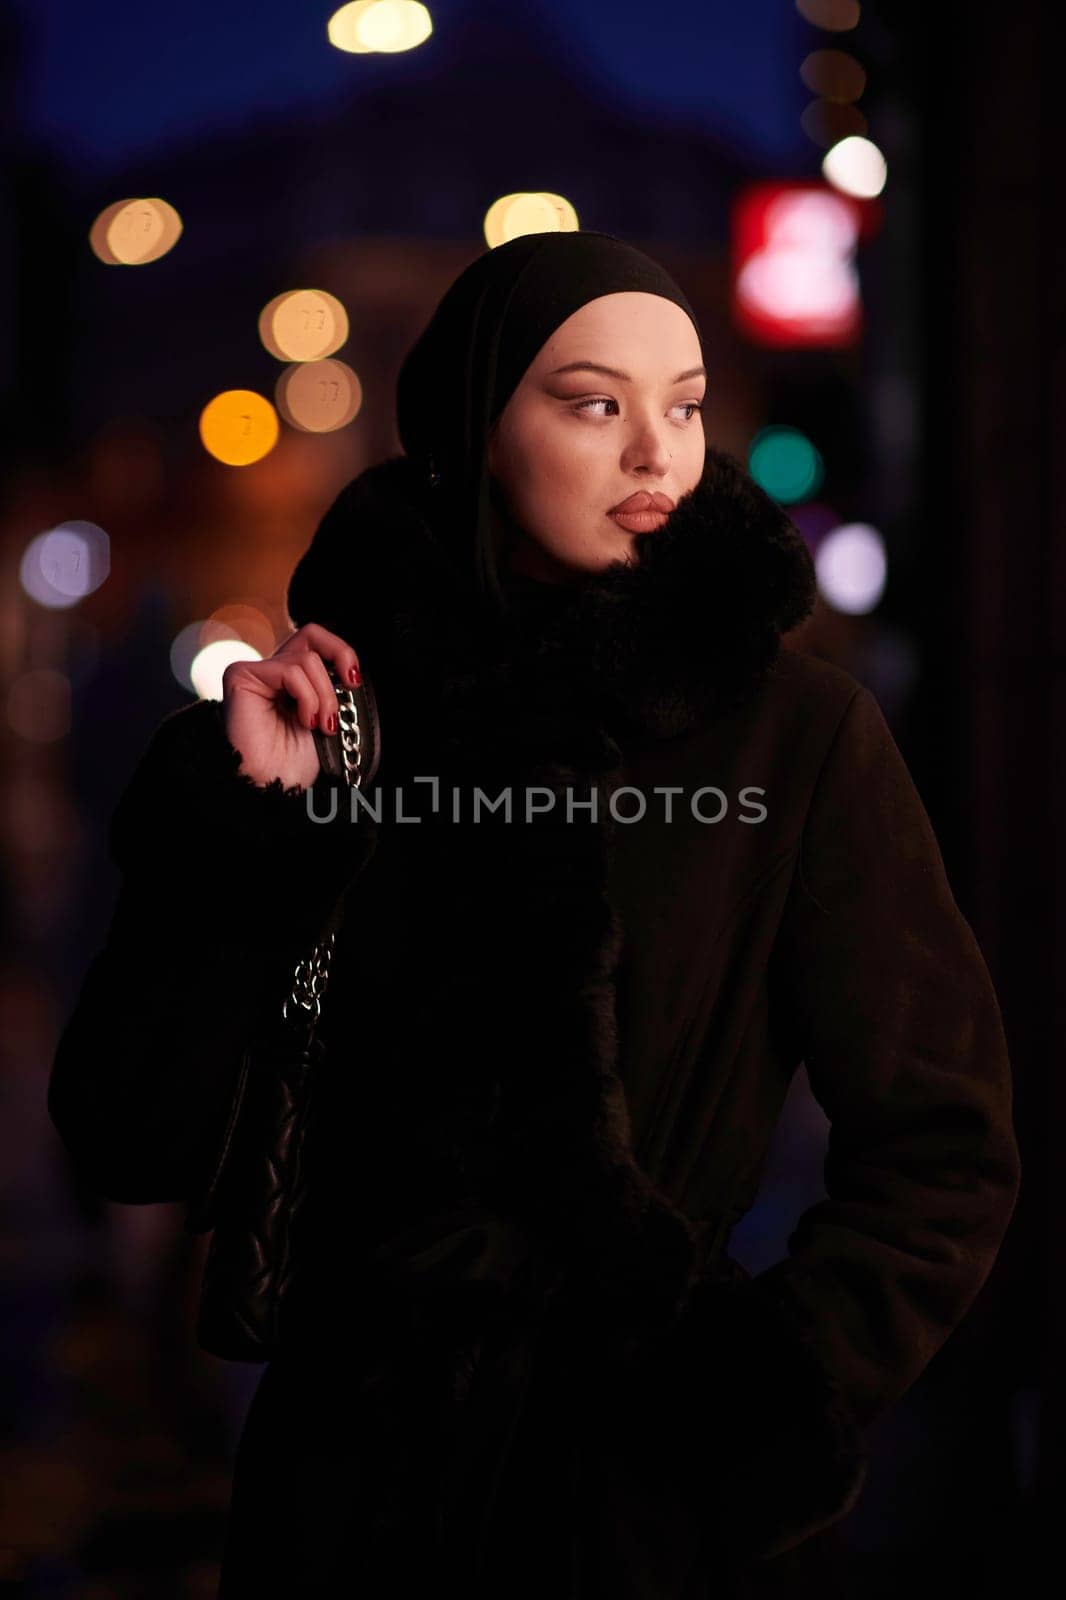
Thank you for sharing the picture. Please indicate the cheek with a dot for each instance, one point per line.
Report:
(567, 525)
(564, 464)
(551, 480)
(542, 471)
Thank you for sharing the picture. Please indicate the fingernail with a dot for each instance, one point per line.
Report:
(314, 719)
(355, 677)
(331, 725)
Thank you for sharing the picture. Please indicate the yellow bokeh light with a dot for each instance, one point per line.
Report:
(319, 396)
(343, 27)
(393, 25)
(534, 211)
(303, 325)
(133, 232)
(379, 26)
(568, 222)
(99, 230)
(238, 427)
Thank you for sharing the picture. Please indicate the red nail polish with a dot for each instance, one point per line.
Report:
(331, 725)
(355, 677)
(314, 719)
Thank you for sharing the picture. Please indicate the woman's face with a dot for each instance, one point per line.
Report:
(570, 445)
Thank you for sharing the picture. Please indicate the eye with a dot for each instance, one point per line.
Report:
(584, 405)
(688, 405)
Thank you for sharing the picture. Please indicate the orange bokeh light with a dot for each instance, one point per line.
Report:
(238, 427)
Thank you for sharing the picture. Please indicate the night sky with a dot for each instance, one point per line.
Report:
(100, 82)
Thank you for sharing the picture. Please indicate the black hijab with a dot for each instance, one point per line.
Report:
(487, 329)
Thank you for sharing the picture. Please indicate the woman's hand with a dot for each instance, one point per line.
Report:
(270, 707)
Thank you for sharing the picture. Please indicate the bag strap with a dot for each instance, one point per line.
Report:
(354, 753)
(303, 1003)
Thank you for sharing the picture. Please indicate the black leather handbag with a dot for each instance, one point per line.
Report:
(256, 1197)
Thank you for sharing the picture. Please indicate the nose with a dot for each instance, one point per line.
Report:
(646, 448)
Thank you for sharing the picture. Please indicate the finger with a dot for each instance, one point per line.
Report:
(265, 678)
(315, 668)
(296, 683)
(313, 636)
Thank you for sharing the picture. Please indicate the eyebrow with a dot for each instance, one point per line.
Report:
(623, 377)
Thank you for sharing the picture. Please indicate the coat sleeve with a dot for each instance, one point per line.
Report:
(888, 1000)
(224, 885)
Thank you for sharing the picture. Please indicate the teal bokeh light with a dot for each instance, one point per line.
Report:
(786, 464)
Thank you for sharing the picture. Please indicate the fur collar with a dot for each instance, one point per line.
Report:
(659, 648)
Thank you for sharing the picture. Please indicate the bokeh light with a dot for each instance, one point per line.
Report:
(856, 166)
(795, 274)
(202, 651)
(303, 325)
(211, 661)
(835, 16)
(64, 564)
(834, 75)
(785, 463)
(319, 396)
(239, 427)
(239, 621)
(132, 233)
(383, 26)
(851, 567)
(528, 212)
(38, 705)
(183, 652)
(342, 29)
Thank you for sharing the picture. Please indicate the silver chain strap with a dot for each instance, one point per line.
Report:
(312, 972)
(309, 982)
(351, 736)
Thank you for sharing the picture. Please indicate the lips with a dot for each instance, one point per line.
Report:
(643, 500)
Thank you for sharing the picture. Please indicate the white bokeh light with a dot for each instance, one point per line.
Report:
(210, 663)
(851, 568)
(856, 166)
(183, 652)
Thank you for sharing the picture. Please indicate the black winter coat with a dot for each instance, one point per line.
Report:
(823, 931)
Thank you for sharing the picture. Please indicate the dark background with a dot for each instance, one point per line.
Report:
(292, 163)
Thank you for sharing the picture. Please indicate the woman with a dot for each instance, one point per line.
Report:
(558, 1041)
